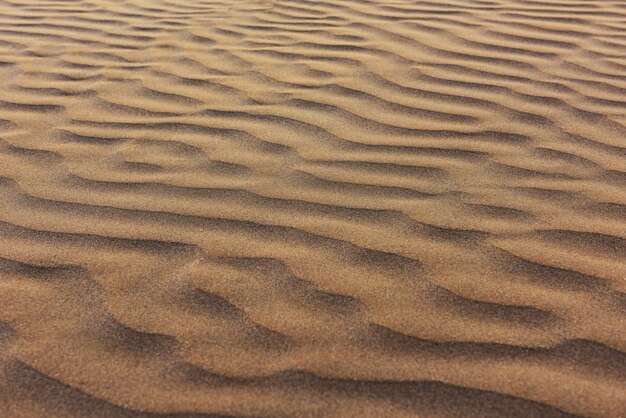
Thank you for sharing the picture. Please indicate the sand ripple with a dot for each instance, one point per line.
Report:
(221, 208)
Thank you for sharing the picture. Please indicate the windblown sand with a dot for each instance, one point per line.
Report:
(337, 208)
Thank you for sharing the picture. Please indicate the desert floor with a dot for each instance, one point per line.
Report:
(298, 208)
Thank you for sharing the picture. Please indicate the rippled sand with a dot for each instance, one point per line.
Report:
(312, 208)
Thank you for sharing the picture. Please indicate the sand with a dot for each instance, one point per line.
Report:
(281, 208)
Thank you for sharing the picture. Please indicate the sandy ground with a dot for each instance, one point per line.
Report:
(332, 208)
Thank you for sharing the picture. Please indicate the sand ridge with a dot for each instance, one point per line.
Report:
(337, 208)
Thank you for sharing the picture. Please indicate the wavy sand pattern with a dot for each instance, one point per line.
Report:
(337, 208)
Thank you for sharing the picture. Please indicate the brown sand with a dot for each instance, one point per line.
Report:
(298, 208)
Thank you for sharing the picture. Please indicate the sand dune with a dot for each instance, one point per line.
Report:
(281, 208)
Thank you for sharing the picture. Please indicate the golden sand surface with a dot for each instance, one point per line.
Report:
(298, 208)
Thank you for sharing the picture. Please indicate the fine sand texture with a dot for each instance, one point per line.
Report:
(312, 208)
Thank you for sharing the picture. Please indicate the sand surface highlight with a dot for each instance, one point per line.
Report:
(312, 208)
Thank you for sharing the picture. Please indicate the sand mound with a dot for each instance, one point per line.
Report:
(312, 208)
